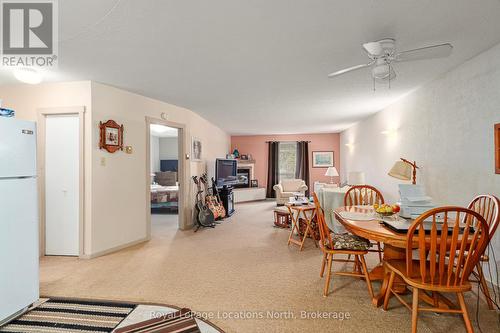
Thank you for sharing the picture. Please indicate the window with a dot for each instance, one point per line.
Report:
(287, 160)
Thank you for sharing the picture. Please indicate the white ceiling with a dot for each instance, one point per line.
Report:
(259, 67)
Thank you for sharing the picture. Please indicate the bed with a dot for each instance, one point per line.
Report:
(165, 192)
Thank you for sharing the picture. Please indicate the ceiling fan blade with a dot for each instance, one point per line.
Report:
(350, 69)
(429, 52)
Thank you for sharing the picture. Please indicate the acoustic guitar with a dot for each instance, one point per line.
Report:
(205, 215)
(215, 193)
(211, 200)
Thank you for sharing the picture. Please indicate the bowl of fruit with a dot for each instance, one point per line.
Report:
(385, 210)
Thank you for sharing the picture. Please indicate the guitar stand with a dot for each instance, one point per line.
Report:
(204, 226)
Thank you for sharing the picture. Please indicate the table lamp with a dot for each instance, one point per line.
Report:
(331, 172)
(404, 170)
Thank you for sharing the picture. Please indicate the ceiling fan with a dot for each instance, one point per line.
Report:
(383, 54)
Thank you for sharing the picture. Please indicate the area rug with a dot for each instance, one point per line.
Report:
(66, 315)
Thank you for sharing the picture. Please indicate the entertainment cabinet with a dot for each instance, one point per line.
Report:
(249, 194)
(227, 197)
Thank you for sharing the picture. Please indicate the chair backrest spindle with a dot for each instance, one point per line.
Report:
(488, 206)
(326, 242)
(363, 195)
(450, 248)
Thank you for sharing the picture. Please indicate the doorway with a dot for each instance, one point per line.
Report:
(165, 178)
(62, 184)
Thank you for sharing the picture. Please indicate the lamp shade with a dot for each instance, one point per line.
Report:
(331, 172)
(356, 178)
(401, 170)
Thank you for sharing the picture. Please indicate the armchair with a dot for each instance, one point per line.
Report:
(287, 187)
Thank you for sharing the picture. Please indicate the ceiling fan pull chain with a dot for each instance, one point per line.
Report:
(374, 85)
(390, 71)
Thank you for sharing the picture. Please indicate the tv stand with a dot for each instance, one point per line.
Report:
(249, 194)
(227, 196)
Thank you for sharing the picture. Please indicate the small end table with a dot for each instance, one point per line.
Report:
(307, 212)
(282, 217)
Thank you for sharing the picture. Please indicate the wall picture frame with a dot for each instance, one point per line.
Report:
(497, 148)
(322, 159)
(196, 149)
(111, 136)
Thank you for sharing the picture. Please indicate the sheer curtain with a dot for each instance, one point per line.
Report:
(273, 168)
(302, 168)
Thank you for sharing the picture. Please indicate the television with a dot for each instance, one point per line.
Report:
(226, 172)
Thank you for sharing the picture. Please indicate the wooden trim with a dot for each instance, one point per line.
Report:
(42, 114)
(497, 148)
(113, 249)
(183, 175)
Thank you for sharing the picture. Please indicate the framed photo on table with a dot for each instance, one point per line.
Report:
(322, 159)
(111, 136)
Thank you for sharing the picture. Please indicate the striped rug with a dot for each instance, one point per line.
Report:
(71, 316)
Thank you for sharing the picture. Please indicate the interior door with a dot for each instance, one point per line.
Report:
(62, 178)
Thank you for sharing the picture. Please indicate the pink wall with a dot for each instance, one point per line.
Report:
(256, 146)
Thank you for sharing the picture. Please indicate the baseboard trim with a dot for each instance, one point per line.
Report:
(114, 249)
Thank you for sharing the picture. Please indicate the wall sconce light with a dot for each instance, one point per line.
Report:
(390, 132)
(349, 145)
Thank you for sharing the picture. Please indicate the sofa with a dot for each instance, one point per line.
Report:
(286, 189)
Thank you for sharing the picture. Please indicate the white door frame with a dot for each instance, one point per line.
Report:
(42, 115)
(182, 175)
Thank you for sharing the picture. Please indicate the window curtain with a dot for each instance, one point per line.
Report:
(302, 168)
(273, 170)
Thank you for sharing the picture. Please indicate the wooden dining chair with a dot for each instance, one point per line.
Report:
(446, 259)
(346, 244)
(489, 207)
(365, 195)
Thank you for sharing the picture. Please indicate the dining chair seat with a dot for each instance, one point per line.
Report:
(350, 242)
(415, 279)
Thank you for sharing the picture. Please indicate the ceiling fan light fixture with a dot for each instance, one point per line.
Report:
(383, 73)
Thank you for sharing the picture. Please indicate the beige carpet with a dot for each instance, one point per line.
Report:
(243, 267)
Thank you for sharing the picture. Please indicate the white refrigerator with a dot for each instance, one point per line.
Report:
(19, 273)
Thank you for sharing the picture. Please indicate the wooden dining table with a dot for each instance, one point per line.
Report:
(394, 248)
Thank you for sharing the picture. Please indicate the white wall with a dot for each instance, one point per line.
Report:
(154, 142)
(115, 202)
(446, 126)
(169, 148)
(26, 99)
(118, 188)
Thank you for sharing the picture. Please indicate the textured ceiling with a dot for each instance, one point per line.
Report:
(259, 67)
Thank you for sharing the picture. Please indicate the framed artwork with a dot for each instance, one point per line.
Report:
(497, 148)
(322, 159)
(244, 157)
(254, 183)
(111, 136)
(196, 149)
